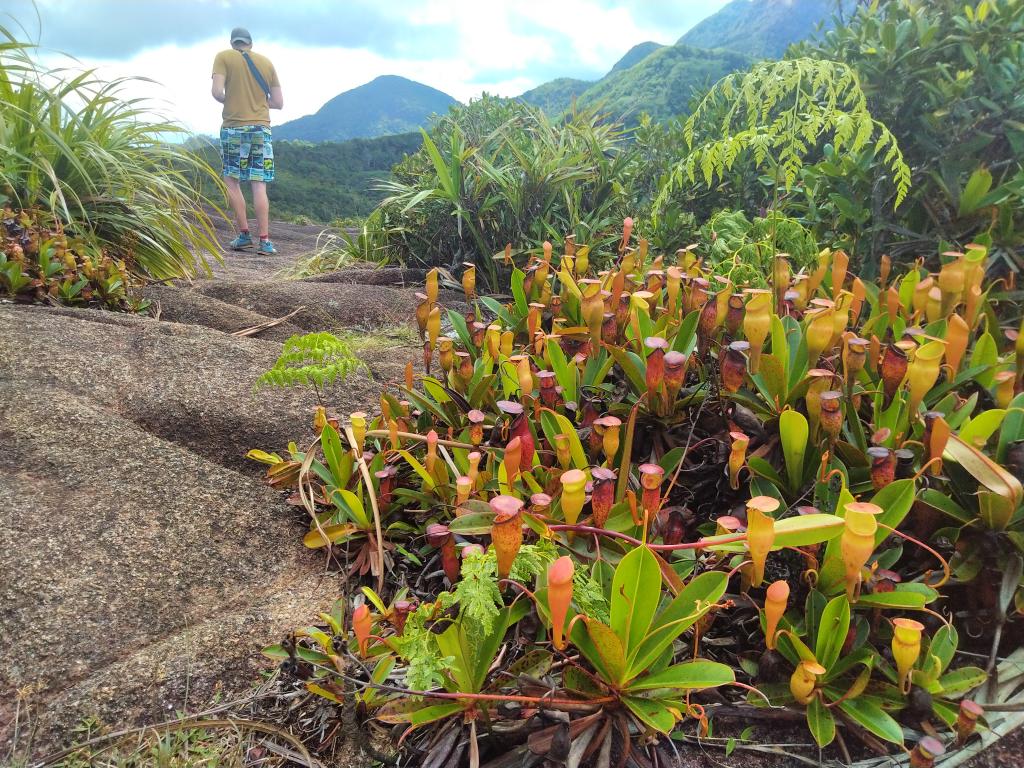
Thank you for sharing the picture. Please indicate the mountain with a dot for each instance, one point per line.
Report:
(662, 83)
(386, 105)
(761, 28)
(635, 55)
(555, 96)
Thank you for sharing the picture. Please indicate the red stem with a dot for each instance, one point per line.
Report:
(699, 544)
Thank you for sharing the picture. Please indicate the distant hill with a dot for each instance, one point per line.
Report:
(555, 96)
(761, 28)
(662, 83)
(386, 105)
(635, 55)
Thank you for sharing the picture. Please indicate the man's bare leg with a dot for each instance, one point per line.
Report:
(237, 203)
(262, 206)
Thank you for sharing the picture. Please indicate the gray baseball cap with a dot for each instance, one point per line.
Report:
(241, 35)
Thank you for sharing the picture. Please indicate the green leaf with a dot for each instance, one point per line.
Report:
(686, 337)
(820, 722)
(761, 467)
(832, 629)
(630, 368)
(555, 424)
(636, 590)
(610, 656)
(651, 712)
(462, 330)
(793, 431)
(974, 191)
(333, 533)
(408, 710)
(1012, 429)
(994, 477)
(896, 599)
(500, 310)
(687, 676)
(895, 499)
(419, 468)
(518, 278)
(944, 503)
(978, 430)
(943, 645)
(454, 643)
(690, 604)
(872, 717)
(354, 506)
(962, 680)
(799, 531)
(473, 524)
(565, 373)
(330, 443)
(985, 353)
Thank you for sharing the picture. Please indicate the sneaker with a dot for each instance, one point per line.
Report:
(266, 247)
(244, 240)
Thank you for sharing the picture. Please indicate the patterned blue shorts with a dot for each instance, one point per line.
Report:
(248, 153)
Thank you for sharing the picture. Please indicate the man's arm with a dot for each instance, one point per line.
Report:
(217, 90)
(276, 100)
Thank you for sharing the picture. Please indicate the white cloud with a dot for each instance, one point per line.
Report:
(501, 47)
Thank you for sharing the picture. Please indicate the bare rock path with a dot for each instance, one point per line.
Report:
(143, 561)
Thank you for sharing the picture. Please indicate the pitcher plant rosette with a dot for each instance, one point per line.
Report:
(634, 504)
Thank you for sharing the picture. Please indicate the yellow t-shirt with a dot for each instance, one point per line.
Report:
(244, 101)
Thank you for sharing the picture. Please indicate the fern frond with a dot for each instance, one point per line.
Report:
(314, 359)
(781, 111)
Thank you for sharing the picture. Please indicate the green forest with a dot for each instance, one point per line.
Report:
(328, 181)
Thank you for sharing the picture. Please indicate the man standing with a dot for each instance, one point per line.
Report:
(247, 85)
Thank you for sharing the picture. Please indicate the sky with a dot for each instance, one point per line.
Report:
(321, 48)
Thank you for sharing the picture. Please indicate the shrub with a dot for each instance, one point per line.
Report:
(945, 78)
(497, 172)
(72, 146)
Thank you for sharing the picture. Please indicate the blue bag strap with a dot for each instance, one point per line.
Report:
(256, 73)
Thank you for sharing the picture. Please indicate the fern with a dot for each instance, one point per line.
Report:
(778, 112)
(479, 600)
(417, 645)
(477, 592)
(315, 359)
